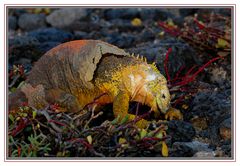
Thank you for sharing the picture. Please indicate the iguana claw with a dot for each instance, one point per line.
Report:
(173, 114)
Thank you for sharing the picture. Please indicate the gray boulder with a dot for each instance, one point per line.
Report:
(63, 18)
(30, 21)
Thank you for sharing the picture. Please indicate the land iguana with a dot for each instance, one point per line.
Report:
(75, 73)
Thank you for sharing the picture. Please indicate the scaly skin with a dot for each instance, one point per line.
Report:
(57, 78)
(140, 82)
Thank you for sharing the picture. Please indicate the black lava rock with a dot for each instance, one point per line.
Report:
(181, 54)
(23, 47)
(124, 25)
(122, 41)
(226, 123)
(16, 11)
(12, 22)
(28, 47)
(154, 52)
(188, 149)
(121, 13)
(29, 21)
(155, 14)
(226, 147)
(187, 12)
(146, 35)
(180, 131)
(51, 35)
(23, 41)
(44, 47)
(221, 11)
(78, 35)
(181, 150)
(212, 104)
(216, 108)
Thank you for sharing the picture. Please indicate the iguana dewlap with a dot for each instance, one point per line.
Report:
(76, 73)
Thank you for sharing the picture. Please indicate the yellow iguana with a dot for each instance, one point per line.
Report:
(75, 73)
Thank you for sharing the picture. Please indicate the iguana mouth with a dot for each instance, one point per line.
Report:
(160, 106)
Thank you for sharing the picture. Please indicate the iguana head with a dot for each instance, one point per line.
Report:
(158, 90)
(152, 89)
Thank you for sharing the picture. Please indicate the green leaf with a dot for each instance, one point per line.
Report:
(150, 134)
(122, 140)
(222, 43)
(34, 114)
(21, 84)
(143, 133)
(115, 120)
(170, 22)
(159, 135)
(124, 120)
(13, 89)
(25, 114)
(11, 117)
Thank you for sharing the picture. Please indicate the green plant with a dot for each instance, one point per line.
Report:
(37, 145)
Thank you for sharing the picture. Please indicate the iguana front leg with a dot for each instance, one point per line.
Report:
(66, 101)
(35, 95)
(120, 109)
